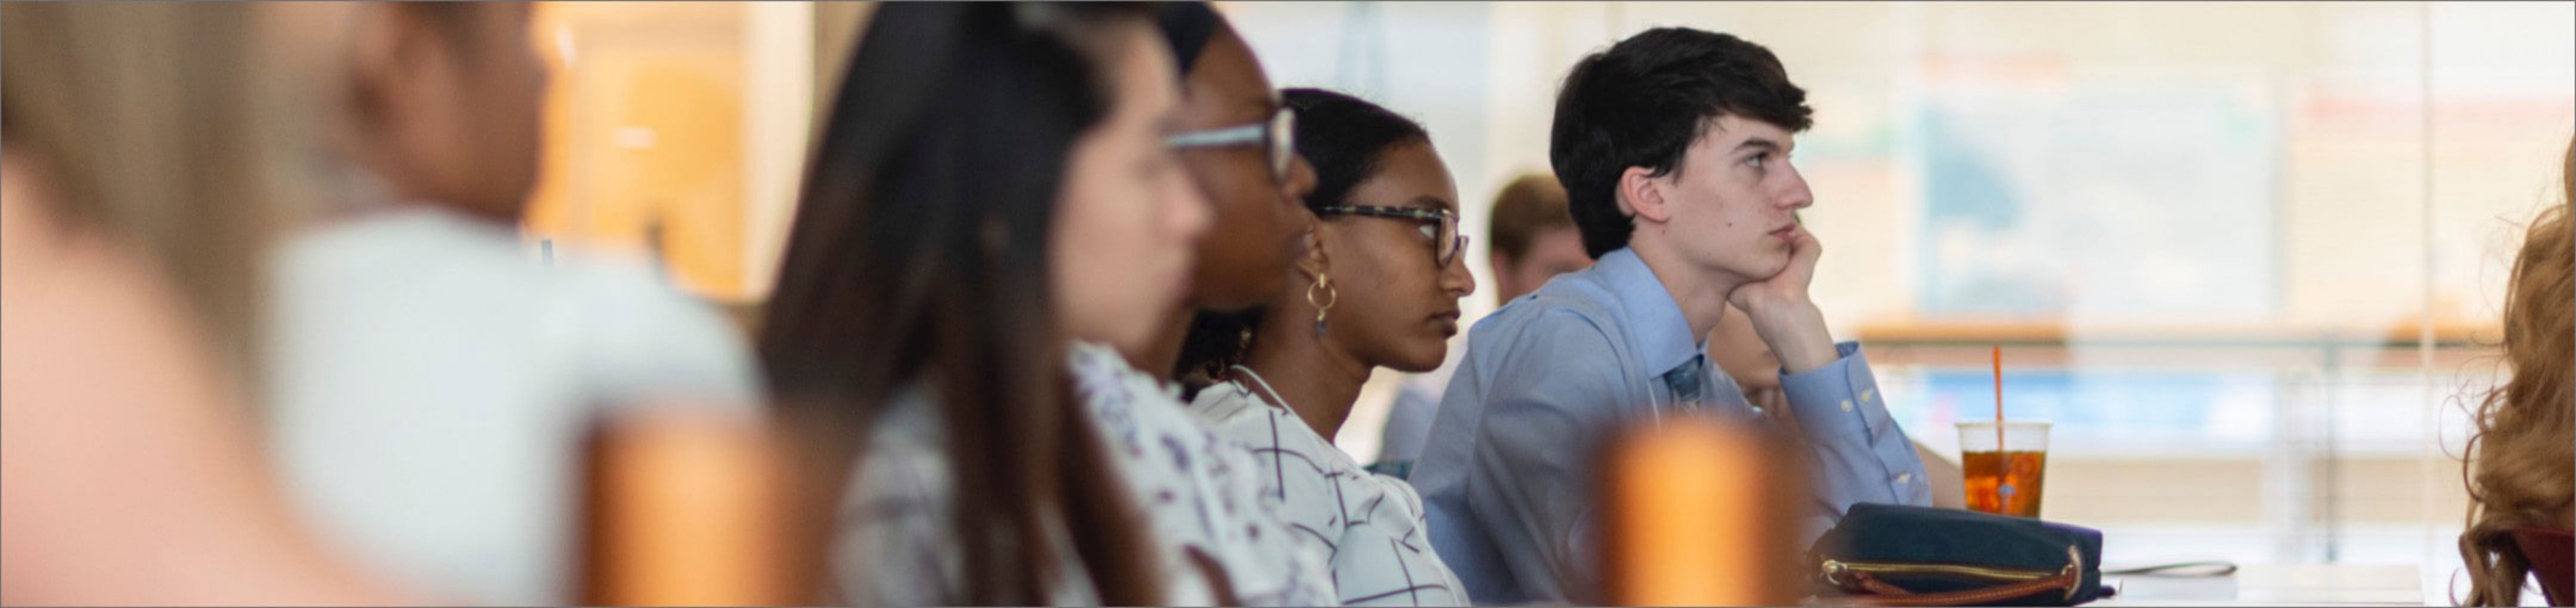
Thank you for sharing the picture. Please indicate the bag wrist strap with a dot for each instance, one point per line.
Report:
(1891, 595)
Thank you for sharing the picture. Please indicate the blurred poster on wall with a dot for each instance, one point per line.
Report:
(2138, 197)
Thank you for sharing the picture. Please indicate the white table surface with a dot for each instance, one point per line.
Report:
(2275, 585)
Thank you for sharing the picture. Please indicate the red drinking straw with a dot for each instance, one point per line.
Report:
(2001, 458)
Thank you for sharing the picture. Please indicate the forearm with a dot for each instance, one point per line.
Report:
(1856, 449)
(1796, 333)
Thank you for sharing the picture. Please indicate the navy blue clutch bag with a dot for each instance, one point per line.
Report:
(1894, 555)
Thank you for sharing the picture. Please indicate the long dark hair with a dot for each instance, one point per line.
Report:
(917, 259)
(1344, 137)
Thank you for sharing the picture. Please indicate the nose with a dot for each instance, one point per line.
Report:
(1793, 193)
(1456, 279)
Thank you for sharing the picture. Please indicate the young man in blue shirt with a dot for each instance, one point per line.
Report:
(1673, 146)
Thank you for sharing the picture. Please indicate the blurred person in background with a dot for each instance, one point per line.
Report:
(1379, 288)
(434, 382)
(1530, 239)
(1673, 146)
(1533, 237)
(991, 214)
(2521, 461)
(145, 165)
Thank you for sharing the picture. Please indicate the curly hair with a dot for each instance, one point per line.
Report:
(2521, 463)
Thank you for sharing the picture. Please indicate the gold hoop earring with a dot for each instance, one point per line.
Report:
(1331, 296)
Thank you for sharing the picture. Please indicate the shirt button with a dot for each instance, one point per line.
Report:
(1866, 394)
(1846, 405)
(1904, 478)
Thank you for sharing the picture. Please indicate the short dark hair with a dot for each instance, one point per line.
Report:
(1345, 138)
(1642, 103)
(1530, 204)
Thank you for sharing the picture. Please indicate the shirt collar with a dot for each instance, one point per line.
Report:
(1652, 318)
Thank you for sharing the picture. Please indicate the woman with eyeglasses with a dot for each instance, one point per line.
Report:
(1379, 287)
(1237, 140)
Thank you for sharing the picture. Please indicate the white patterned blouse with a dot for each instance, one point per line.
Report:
(1372, 525)
(1201, 492)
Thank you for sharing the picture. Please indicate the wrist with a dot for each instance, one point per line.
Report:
(1769, 305)
(1796, 333)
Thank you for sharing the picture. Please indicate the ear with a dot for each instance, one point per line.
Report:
(395, 47)
(377, 40)
(1316, 264)
(1641, 194)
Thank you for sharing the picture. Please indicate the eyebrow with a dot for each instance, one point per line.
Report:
(1758, 143)
(1432, 203)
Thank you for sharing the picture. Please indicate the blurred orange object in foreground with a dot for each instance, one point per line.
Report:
(1700, 512)
(691, 507)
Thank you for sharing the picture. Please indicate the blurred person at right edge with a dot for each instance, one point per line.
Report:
(435, 381)
(2521, 462)
(993, 213)
(147, 157)
(1531, 239)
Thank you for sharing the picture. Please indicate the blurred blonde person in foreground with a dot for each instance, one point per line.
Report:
(142, 166)
(434, 378)
(2521, 464)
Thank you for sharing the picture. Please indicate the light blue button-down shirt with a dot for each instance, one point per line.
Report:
(1506, 474)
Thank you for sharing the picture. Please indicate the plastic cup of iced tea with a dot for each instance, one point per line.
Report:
(2004, 478)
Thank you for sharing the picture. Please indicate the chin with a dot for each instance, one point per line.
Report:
(1422, 361)
(1757, 271)
(1773, 263)
(1125, 340)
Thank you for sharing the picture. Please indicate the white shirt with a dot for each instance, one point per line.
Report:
(1201, 491)
(432, 385)
(1372, 525)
